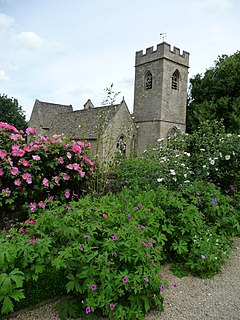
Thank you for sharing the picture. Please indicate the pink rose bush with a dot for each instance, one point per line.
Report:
(34, 168)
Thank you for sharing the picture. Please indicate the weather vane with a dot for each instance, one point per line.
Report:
(163, 36)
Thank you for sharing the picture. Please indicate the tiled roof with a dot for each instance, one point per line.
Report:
(47, 112)
(84, 123)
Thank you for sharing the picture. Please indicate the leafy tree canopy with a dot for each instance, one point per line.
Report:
(11, 112)
(216, 94)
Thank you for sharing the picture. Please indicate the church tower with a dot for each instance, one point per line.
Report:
(160, 94)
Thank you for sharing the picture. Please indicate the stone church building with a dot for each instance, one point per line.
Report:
(160, 100)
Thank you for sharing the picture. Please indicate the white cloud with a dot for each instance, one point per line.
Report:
(3, 76)
(29, 40)
(6, 22)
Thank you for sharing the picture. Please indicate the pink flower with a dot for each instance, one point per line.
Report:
(17, 152)
(66, 176)
(1, 172)
(76, 148)
(82, 173)
(45, 182)
(31, 131)
(27, 176)
(17, 182)
(9, 160)
(86, 159)
(60, 160)
(16, 137)
(114, 237)
(69, 155)
(125, 280)
(30, 221)
(67, 193)
(32, 240)
(3, 153)
(56, 179)
(36, 157)
(25, 163)
(32, 206)
(146, 279)
(14, 171)
(6, 192)
(8, 126)
(41, 204)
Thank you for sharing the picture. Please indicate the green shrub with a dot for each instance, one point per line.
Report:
(110, 249)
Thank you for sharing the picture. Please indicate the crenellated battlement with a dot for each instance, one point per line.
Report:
(163, 51)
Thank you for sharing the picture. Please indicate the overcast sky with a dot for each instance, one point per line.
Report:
(66, 51)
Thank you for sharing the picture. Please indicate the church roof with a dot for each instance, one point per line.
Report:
(84, 123)
(46, 112)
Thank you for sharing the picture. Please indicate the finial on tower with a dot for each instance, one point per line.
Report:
(163, 36)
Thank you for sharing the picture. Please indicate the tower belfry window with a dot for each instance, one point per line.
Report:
(148, 81)
(175, 80)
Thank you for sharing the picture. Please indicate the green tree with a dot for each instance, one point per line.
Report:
(216, 95)
(11, 112)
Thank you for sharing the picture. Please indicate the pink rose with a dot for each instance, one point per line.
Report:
(14, 171)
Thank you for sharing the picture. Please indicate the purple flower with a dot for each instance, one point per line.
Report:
(204, 256)
(146, 279)
(214, 201)
(142, 227)
(86, 237)
(68, 208)
(144, 243)
(136, 208)
(93, 287)
(150, 244)
(88, 310)
(125, 279)
(112, 306)
(174, 285)
(148, 254)
(114, 237)
(162, 288)
(231, 187)
(129, 217)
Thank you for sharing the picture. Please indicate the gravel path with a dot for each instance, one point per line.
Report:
(188, 298)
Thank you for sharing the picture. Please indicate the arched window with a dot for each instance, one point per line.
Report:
(148, 81)
(172, 132)
(175, 80)
(121, 145)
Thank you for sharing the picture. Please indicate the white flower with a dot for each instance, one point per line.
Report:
(220, 154)
(187, 154)
(175, 179)
(229, 135)
(212, 162)
(185, 175)
(204, 166)
(186, 181)
(227, 157)
(202, 150)
(172, 172)
(159, 179)
(161, 139)
(183, 164)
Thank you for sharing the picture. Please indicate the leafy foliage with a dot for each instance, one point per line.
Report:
(11, 112)
(216, 95)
